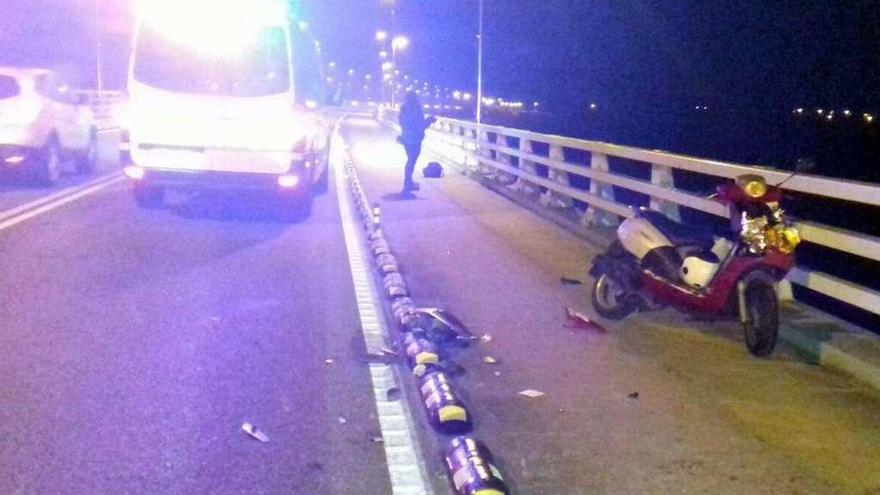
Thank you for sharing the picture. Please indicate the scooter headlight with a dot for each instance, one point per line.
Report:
(754, 185)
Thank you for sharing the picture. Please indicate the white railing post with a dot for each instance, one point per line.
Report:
(523, 185)
(552, 198)
(503, 176)
(662, 176)
(596, 216)
(484, 152)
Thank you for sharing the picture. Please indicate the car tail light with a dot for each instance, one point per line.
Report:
(288, 181)
(134, 172)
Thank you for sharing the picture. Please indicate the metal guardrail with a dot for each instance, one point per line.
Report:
(470, 147)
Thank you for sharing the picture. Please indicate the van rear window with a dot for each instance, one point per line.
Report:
(8, 87)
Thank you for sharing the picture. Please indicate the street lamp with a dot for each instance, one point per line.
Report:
(398, 43)
(480, 68)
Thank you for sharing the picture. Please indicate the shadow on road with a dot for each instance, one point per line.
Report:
(401, 196)
(228, 207)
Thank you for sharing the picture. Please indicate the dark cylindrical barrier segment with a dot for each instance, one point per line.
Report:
(472, 469)
(445, 409)
(420, 352)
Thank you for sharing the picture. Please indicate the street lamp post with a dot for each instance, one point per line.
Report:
(480, 68)
(398, 43)
(98, 55)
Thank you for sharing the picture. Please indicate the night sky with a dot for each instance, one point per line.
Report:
(712, 52)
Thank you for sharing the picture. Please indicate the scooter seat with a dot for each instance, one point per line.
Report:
(679, 234)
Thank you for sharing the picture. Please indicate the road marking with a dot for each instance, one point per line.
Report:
(37, 207)
(405, 470)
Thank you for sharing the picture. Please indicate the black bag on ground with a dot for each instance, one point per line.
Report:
(433, 171)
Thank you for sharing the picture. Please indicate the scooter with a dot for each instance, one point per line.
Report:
(656, 262)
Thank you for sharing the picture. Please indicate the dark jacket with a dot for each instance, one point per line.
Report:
(412, 125)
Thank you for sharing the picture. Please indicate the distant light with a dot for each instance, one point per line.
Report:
(406, 78)
(847, 112)
(467, 96)
(288, 181)
(400, 42)
(329, 80)
(457, 95)
(354, 103)
(383, 54)
(350, 72)
(368, 77)
(593, 106)
(426, 106)
(387, 66)
(820, 111)
(799, 111)
(457, 107)
(303, 25)
(134, 172)
(489, 101)
(436, 107)
(332, 65)
(536, 104)
(311, 104)
(829, 116)
(387, 77)
(869, 118)
(381, 35)
(14, 160)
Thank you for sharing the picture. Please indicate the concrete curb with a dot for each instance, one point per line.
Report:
(832, 357)
(814, 350)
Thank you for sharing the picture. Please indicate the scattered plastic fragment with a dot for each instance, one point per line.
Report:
(497, 373)
(329, 361)
(388, 352)
(634, 395)
(377, 440)
(341, 420)
(532, 394)
(489, 360)
(255, 433)
(486, 338)
(577, 320)
(570, 281)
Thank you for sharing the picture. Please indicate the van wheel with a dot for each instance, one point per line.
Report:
(323, 183)
(89, 159)
(48, 168)
(148, 197)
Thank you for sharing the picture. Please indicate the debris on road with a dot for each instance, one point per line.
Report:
(341, 420)
(580, 321)
(486, 338)
(497, 373)
(377, 440)
(329, 361)
(388, 352)
(570, 281)
(634, 395)
(255, 433)
(532, 394)
(489, 360)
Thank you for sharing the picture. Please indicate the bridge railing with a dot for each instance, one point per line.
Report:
(542, 165)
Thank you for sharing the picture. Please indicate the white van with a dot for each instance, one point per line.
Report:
(224, 100)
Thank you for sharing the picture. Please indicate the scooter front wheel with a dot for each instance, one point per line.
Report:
(610, 299)
(761, 325)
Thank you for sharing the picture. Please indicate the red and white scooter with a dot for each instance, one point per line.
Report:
(657, 261)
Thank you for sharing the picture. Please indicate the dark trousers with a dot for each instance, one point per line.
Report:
(412, 156)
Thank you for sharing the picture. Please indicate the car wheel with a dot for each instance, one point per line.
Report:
(89, 159)
(323, 182)
(48, 168)
(148, 197)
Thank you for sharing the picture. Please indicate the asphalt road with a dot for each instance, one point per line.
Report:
(660, 404)
(134, 344)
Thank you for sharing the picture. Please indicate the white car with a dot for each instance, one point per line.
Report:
(43, 127)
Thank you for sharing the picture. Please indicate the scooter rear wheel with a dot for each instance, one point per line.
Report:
(610, 300)
(762, 327)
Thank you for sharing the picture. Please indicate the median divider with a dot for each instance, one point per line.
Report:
(420, 337)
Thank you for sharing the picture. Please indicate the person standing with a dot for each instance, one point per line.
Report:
(413, 124)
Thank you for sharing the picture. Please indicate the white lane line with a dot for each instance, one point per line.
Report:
(24, 212)
(405, 469)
